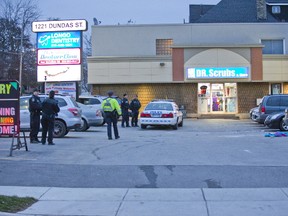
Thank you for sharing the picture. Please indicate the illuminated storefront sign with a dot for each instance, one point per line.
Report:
(59, 56)
(218, 73)
(57, 73)
(59, 40)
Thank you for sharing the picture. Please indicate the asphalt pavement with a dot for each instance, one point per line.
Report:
(208, 167)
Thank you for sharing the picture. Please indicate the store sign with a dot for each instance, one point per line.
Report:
(59, 39)
(60, 25)
(59, 56)
(57, 73)
(9, 108)
(218, 73)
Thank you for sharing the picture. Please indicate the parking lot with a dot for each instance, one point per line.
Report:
(204, 153)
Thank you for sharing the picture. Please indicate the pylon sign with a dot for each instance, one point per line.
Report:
(59, 50)
(59, 25)
(9, 108)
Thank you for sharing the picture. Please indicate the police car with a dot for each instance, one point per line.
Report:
(161, 113)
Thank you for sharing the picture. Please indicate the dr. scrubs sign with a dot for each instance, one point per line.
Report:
(220, 73)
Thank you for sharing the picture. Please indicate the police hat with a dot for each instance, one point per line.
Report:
(110, 93)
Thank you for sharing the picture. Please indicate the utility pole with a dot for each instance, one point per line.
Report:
(21, 56)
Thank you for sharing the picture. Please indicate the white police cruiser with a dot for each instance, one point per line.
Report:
(161, 113)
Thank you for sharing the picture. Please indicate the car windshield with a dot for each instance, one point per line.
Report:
(159, 106)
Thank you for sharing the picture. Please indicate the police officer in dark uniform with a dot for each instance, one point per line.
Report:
(35, 107)
(50, 109)
(135, 105)
(125, 111)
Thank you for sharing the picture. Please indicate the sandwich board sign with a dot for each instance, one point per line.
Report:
(10, 113)
(9, 108)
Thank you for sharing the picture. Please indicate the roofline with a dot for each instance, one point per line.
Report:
(277, 4)
(187, 24)
(218, 46)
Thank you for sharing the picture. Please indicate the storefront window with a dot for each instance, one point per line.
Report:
(217, 98)
(276, 88)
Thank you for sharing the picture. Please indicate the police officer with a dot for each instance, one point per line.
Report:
(50, 109)
(135, 106)
(111, 110)
(125, 110)
(35, 108)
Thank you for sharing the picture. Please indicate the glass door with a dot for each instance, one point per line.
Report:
(217, 98)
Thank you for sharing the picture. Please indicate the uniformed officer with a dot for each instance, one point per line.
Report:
(135, 105)
(50, 109)
(35, 108)
(111, 110)
(125, 111)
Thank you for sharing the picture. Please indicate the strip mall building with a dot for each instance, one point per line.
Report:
(210, 68)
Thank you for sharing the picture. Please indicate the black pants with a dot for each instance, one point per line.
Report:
(111, 119)
(125, 117)
(34, 126)
(134, 120)
(47, 125)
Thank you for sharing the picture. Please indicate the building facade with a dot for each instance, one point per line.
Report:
(211, 69)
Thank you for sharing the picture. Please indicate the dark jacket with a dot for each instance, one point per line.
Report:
(125, 104)
(35, 105)
(50, 107)
(135, 105)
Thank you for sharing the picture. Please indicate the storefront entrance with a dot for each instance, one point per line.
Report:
(217, 98)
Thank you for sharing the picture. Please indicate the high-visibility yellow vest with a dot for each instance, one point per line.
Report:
(107, 107)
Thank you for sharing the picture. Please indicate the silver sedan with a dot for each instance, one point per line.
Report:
(91, 116)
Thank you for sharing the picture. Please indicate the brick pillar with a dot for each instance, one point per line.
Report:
(178, 64)
(256, 64)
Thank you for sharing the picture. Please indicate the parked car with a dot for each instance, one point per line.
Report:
(254, 113)
(276, 121)
(68, 118)
(161, 113)
(272, 104)
(95, 100)
(91, 116)
(285, 119)
(91, 100)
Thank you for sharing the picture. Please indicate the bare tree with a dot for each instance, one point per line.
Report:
(16, 48)
(87, 51)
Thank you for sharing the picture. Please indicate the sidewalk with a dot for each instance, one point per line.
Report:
(151, 202)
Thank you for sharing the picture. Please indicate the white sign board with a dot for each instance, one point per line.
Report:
(65, 88)
(57, 73)
(58, 56)
(61, 25)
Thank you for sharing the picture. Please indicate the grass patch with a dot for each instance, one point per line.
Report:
(13, 204)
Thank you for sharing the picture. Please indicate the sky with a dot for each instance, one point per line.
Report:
(114, 12)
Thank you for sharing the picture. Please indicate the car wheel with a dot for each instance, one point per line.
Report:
(283, 126)
(59, 129)
(67, 131)
(143, 126)
(83, 127)
(175, 127)
(181, 123)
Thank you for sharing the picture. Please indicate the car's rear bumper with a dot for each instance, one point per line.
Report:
(73, 123)
(157, 121)
(96, 122)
